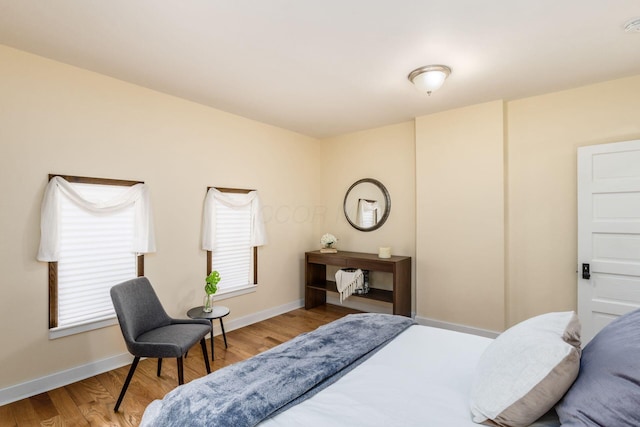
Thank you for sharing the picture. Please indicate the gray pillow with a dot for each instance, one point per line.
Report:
(607, 391)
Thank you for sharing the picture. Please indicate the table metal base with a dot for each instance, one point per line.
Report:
(218, 312)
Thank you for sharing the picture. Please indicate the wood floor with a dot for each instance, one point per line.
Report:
(90, 402)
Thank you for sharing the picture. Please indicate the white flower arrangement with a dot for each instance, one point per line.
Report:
(328, 240)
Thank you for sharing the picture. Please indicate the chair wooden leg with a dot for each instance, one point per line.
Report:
(203, 344)
(180, 371)
(136, 359)
(159, 365)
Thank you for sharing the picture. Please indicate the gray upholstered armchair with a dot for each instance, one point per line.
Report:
(149, 332)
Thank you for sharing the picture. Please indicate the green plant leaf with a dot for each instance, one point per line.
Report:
(212, 282)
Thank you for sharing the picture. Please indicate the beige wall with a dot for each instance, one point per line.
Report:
(543, 135)
(59, 119)
(496, 201)
(385, 154)
(460, 216)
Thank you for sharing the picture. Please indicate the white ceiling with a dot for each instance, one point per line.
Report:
(328, 67)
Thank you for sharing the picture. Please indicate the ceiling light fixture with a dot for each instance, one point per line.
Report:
(632, 26)
(429, 78)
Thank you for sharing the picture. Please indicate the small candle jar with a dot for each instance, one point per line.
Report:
(384, 252)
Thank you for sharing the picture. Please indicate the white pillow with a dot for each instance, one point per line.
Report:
(526, 370)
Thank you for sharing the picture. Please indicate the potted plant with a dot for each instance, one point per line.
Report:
(211, 287)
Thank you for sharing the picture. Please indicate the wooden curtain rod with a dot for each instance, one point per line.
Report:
(91, 180)
(231, 190)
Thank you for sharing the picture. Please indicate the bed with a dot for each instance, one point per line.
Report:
(383, 370)
(422, 376)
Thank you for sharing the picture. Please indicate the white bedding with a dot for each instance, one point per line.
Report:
(422, 378)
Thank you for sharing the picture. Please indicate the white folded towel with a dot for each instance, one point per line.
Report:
(347, 281)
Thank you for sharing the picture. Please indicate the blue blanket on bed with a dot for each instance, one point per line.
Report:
(246, 393)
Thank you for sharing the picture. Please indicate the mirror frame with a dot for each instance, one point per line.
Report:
(387, 200)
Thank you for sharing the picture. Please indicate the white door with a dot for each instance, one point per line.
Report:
(608, 233)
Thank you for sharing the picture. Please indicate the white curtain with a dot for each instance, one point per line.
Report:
(258, 233)
(137, 195)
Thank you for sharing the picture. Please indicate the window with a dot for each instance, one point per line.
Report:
(232, 230)
(95, 249)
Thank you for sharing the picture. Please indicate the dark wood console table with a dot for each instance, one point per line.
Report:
(317, 285)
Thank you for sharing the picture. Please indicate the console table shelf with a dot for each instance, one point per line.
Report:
(317, 285)
(376, 294)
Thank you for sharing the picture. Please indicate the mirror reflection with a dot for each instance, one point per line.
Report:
(367, 204)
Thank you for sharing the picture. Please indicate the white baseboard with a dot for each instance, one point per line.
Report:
(62, 378)
(78, 373)
(456, 327)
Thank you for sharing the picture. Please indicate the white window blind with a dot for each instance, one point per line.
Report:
(367, 213)
(233, 257)
(368, 218)
(95, 254)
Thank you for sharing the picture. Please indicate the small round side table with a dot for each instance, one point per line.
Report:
(219, 311)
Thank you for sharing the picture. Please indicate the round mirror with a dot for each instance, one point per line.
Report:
(367, 204)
